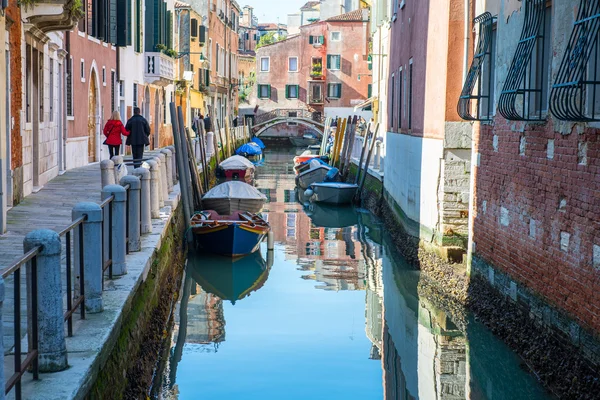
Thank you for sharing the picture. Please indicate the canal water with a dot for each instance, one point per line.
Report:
(332, 313)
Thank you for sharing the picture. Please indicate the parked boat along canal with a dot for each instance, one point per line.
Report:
(332, 313)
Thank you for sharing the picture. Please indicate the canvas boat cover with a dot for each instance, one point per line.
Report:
(336, 185)
(236, 162)
(251, 149)
(258, 142)
(316, 163)
(234, 190)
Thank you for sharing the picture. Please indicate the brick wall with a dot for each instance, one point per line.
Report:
(13, 13)
(537, 212)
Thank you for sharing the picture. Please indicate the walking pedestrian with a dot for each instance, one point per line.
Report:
(207, 123)
(113, 130)
(139, 132)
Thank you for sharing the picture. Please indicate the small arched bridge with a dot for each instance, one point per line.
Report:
(263, 122)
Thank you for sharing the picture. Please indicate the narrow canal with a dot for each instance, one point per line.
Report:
(333, 313)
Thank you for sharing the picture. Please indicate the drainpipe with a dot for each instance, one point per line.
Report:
(64, 116)
(467, 33)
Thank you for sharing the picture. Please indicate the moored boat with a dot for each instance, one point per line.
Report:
(305, 140)
(251, 151)
(316, 173)
(237, 234)
(232, 196)
(307, 156)
(332, 192)
(237, 168)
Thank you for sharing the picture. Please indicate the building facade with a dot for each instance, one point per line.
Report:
(427, 185)
(535, 213)
(223, 45)
(320, 70)
(4, 122)
(248, 30)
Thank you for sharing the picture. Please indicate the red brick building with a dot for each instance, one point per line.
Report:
(536, 204)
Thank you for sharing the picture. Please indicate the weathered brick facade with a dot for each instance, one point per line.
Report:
(538, 211)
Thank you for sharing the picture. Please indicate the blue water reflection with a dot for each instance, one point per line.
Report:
(332, 313)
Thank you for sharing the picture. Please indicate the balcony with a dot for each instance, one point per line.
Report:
(160, 69)
(52, 15)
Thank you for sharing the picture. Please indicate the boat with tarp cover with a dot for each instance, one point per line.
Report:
(236, 168)
(232, 196)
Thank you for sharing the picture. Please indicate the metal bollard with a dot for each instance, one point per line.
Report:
(174, 165)
(52, 348)
(169, 162)
(135, 186)
(92, 253)
(119, 266)
(164, 187)
(145, 213)
(154, 192)
(107, 172)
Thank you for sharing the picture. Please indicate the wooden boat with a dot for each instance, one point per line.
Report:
(316, 173)
(229, 278)
(232, 196)
(237, 168)
(305, 166)
(305, 140)
(251, 151)
(233, 235)
(332, 192)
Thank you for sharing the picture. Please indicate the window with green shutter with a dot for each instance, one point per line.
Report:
(291, 91)
(138, 26)
(123, 23)
(334, 61)
(264, 91)
(334, 90)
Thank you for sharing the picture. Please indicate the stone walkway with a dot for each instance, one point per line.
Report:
(50, 208)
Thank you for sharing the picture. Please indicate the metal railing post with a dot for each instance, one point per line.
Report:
(47, 285)
(135, 186)
(164, 187)
(92, 253)
(145, 213)
(119, 265)
(107, 172)
(2, 379)
(169, 164)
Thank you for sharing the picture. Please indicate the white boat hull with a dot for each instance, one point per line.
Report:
(305, 179)
(333, 193)
(303, 142)
(227, 206)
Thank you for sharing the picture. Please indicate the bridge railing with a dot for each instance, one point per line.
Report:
(288, 113)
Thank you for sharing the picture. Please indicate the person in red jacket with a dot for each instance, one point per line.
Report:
(113, 130)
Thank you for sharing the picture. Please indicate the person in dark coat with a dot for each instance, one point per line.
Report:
(113, 130)
(207, 123)
(139, 132)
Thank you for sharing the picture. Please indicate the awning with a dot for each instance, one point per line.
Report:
(365, 103)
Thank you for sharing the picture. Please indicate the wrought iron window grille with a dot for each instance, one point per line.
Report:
(475, 91)
(522, 97)
(574, 93)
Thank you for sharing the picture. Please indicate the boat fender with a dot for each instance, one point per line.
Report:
(308, 192)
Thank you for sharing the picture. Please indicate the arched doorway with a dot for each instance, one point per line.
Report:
(92, 117)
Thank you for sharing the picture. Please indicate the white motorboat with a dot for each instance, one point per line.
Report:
(332, 192)
(316, 173)
(232, 196)
(305, 140)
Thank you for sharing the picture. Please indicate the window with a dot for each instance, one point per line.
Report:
(316, 40)
(400, 96)
(51, 91)
(28, 82)
(410, 93)
(264, 64)
(334, 90)
(69, 96)
(121, 88)
(82, 70)
(194, 28)
(477, 94)
(291, 91)
(334, 61)
(336, 36)
(138, 26)
(392, 96)
(293, 64)
(264, 91)
(104, 76)
(525, 91)
(316, 93)
(40, 80)
(292, 114)
(575, 92)
(113, 82)
(135, 94)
